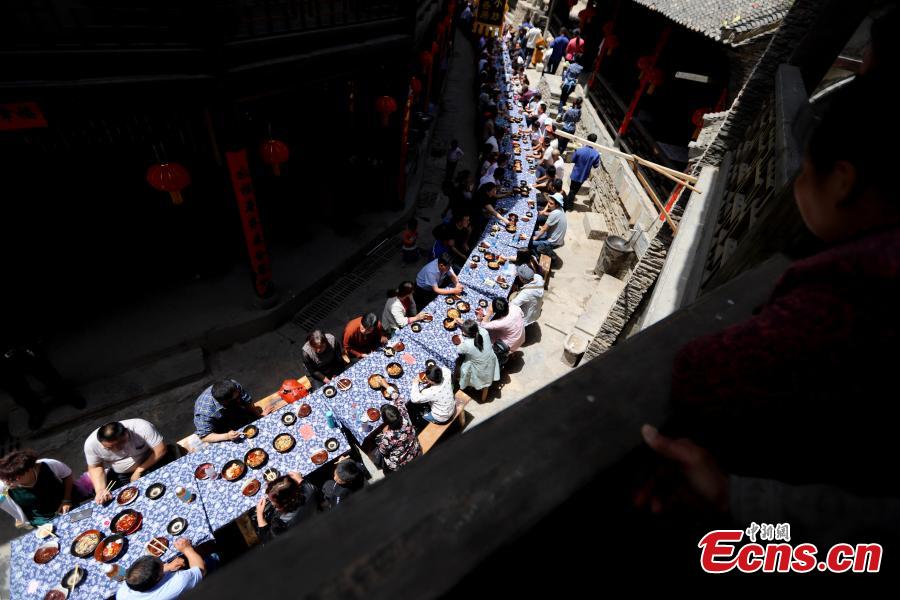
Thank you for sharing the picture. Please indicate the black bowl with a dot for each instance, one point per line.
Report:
(155, 491)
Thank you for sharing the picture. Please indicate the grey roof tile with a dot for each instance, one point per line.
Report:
(727, 21)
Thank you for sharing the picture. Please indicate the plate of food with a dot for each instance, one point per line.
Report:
(271, 474)
(46, 552)
(73, 577)
(453, 314)
(476, 259)
(233, 470)
(399, 347)
(284, 443)
(126, 522)
(304, 411)
(390, 392)
(288, 418)
(430, 363)
(155, 491)
(449, 300)
(450, 324)
(428, 318)
(490, 256)
(331, 444)
(416, 328)
(456, 340)
(344, 384)
(493, 265)
(176, 526)
(483, 303)
(157, 546)
(256, 458)
(127, 496)
(463, 306)
(250, 432)
(111, 548)
(320, 457)
(501, 279)
(373, 413)
(394, 370)
(251, 487)
(389, 352)
(85, 543)
(529, 214)
(329, 391)
(375, 381)
(200, 471)
(511, 228)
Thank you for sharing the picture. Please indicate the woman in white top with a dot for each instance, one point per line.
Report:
(436, 391)
(400, 308)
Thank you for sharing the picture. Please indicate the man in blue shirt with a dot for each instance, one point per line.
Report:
(584, 159)
(221, 409)
(569, 81)
(437, 277)
(558, 48)
(149, 579)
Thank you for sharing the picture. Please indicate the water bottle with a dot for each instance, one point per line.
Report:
(115, 572)
(329, 418)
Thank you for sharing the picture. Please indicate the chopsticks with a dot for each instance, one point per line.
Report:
(157, 545)
(110, 486)
(73, 580)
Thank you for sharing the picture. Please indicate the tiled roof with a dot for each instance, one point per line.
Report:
(727, 21)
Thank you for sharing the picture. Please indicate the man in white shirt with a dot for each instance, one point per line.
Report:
(531, 38)
(530, 297)
(492, 142)
(148, 578)
(558, 163)
(127, 448)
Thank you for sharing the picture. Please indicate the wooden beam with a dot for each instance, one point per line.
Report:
(654, 197)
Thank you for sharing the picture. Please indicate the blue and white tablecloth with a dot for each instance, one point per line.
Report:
(224, 500)
(31, 580)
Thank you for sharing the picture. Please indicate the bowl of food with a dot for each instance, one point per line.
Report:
(375, 381)
(155, 491)
(373, 413)
(473, 265)
(284, 443)
(428, 318)
(46, 552)
(57, 593)
(251, 487)
(320, 457)
(127, 496)
(256, 458)
(271, 474)
(201, 471)
(157, 546)
(390, 392)
(422, 377)
(453, 313)
(394, 370)
(304, 411)
(126, 522)
(476, 259)
(430, 363)
(344, 384)
(233, 470)
(450, 324)
(493, 265)
(415, 327)
(111, 548)
(176, 526)
(399, 347)
(329, 391)
(462, 306)
(331, 444)
(250, 432)
(73, 577)
(85, 543)
(501, 279)
(449, 300)
(288, 418)
(511, 228)
(456, 340)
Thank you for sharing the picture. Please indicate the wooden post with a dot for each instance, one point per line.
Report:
(654, 197)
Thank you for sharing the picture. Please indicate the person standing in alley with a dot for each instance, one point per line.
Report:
(453, 155)
(583, 160)
(558, 50)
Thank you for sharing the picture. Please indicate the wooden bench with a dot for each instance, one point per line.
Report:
(546, 263)
(429, 436)
(272, 401)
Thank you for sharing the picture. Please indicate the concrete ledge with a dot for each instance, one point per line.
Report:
(101, 395)
(595, 226)
(598, 306)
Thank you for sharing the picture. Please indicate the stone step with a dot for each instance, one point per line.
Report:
(595, 226)
(104, 394)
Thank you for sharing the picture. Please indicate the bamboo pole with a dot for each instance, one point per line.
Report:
(670, 173)
(654, 197)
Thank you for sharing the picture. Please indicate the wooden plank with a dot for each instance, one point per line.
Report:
(655, 199)
(429, 436)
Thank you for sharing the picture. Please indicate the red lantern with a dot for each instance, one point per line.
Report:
(426, 59)
(416, 86)
(386, 106)
(292, 390)
(274, 152)
(656, 78)
(169, 177)
(610, 43)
